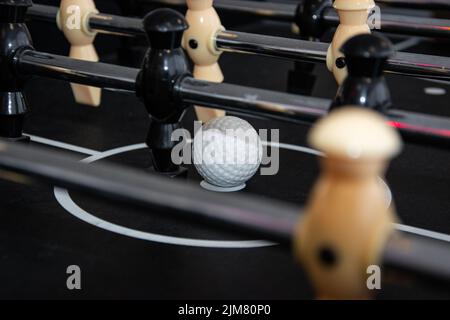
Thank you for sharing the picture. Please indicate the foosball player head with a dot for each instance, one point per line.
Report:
(346, 223)
(366, 56)
(14, 36)
(164, 63)
(81, 39)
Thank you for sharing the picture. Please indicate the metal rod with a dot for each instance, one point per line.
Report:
(409, 253)
(269, 104)
(415, 127)
(395, 23)
(416, 65)
(42, 13)
(257, 9)
(278, 47)
(108, 23)
(390, 22)
(267, 10)
(419, 65)
(269, 218)
(83, 72)
(103, 23)
(408, 64)
(420, 4)
(272, 105)
(417, 26)
(255, 216)
(421, 128)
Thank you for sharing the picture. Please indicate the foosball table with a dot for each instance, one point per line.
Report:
(156, 149)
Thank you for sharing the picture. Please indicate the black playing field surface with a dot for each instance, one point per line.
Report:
(129, 254)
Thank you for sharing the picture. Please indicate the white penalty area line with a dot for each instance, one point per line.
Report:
(409, 229)
(62, 145)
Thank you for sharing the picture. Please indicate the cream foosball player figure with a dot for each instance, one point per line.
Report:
(199, 42)
(73, 20)
(358, 144)
(353, 15)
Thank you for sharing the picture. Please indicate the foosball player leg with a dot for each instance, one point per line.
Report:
(301, 79)
(13, 109)
(160, 142)
(309, 24)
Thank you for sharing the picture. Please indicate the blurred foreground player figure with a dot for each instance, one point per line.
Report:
(347, 222)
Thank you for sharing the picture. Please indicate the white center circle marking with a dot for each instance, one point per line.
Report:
(65, 200)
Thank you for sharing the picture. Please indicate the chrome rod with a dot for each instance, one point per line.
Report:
(414, 127)
(278, 47)
(390, 21)
(95, 74)
(251, 101)
(421, 128)
(42, 13)
(394, 23)
(269, 104)
(260, 9)
(262, 103)
(416, 65)
(108, 23)
(421, 4)
(103, 23)
(267, 10)
(419, 65)
(408, 64)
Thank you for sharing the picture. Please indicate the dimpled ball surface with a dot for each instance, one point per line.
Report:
(230, 152)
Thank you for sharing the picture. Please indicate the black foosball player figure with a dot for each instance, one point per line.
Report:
(13, 35)
(365, 85)
(164, 62)
(301, 79)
